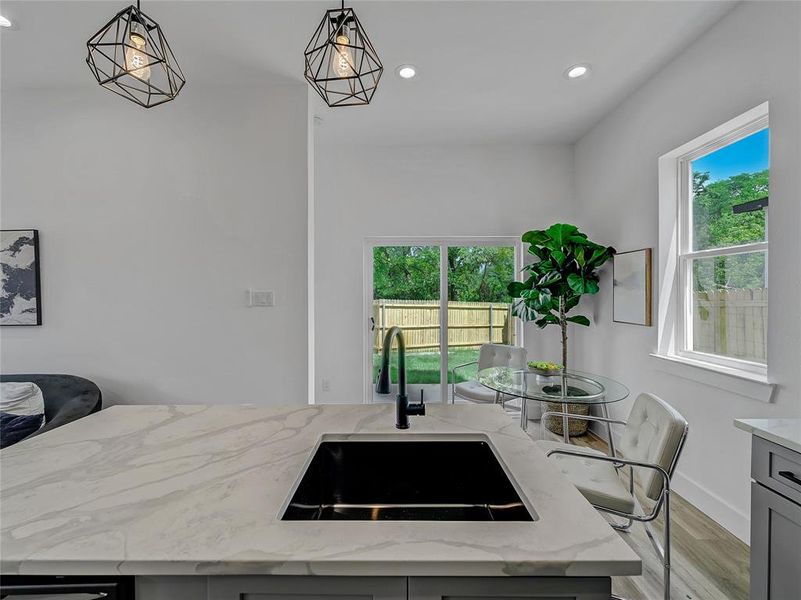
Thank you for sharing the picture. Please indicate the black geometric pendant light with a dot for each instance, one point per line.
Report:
(131, 57)
(341, 63)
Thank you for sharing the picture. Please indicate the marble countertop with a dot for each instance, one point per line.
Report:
(785, 432)
(199, 490)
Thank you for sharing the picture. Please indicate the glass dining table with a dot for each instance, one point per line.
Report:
(577, 387)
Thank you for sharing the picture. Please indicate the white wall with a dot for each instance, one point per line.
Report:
(152, 225)
(492, 190)
(751, 56)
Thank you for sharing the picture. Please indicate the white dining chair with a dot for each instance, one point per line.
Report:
(652, 441)
(489, 355)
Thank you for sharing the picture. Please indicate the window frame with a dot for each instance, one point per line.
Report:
(676, 254)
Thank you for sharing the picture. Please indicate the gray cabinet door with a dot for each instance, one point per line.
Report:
(497, 588)
(775, 545)
(164, 587)
(307, 588)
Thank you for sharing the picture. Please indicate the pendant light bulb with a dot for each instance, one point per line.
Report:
(136, 59)
(342, 57)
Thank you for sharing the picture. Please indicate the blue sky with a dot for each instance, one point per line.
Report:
(748, 155)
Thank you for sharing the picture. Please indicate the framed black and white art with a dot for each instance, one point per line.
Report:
(20, 300)
(631, 288)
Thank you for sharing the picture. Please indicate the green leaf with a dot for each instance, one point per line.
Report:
(579, 320)
(549, 279)
(571, 302)
(580, 256)
(536, 237)
(543, 300)
(560, 233)
(576, 283)
(540, 252)
(580, 239)
(582, 285)
(599, 256)
(559, 257)
(546, 320)
(516, 288)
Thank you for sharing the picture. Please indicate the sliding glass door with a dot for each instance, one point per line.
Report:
(406, 294)
(448, 296)
(479, 309)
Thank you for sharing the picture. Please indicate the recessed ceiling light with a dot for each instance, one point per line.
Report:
(4, 22)
(577, 71)
(406, 71)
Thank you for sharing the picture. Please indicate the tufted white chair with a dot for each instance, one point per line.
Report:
(650, 446)
(490, 355)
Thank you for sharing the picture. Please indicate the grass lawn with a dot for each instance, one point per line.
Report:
(423, 367)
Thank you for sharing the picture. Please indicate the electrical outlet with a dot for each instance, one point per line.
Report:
(325, 384)
(260, 298)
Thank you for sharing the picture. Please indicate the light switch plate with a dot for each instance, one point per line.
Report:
(261, 298)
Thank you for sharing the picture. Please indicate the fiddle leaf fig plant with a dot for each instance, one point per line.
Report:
(566, 268)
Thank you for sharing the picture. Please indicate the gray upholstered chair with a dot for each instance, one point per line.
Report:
(490, 355)
(652, 441)
(66, 398)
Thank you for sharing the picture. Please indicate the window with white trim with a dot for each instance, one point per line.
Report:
(719, 294)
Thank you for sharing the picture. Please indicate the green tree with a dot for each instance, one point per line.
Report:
(406, 272)
(566, 268)
(475, 273)
(716, 225)
(480, 273)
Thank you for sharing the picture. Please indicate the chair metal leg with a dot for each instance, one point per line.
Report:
(523, 414)
(605, 414)
(662, 552)
(666, 555)
(627, 526)
(629, 521)
(565, 425)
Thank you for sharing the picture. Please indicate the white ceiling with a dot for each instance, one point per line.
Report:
(489, 71)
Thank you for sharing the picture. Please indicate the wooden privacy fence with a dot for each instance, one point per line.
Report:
(732, 323)
(470, 324)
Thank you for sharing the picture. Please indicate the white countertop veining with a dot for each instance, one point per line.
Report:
(198, 490)
(785, 432)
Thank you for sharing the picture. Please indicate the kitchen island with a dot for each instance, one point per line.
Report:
(775, 507)
(189, 499)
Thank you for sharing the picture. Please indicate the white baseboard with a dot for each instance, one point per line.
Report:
(716, 508)
(713, 506)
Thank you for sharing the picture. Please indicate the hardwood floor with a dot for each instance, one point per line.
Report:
(708, 562)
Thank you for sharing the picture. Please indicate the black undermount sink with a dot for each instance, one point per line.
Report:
(405, 481)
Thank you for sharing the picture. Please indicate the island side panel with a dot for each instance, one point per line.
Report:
(280, 587)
